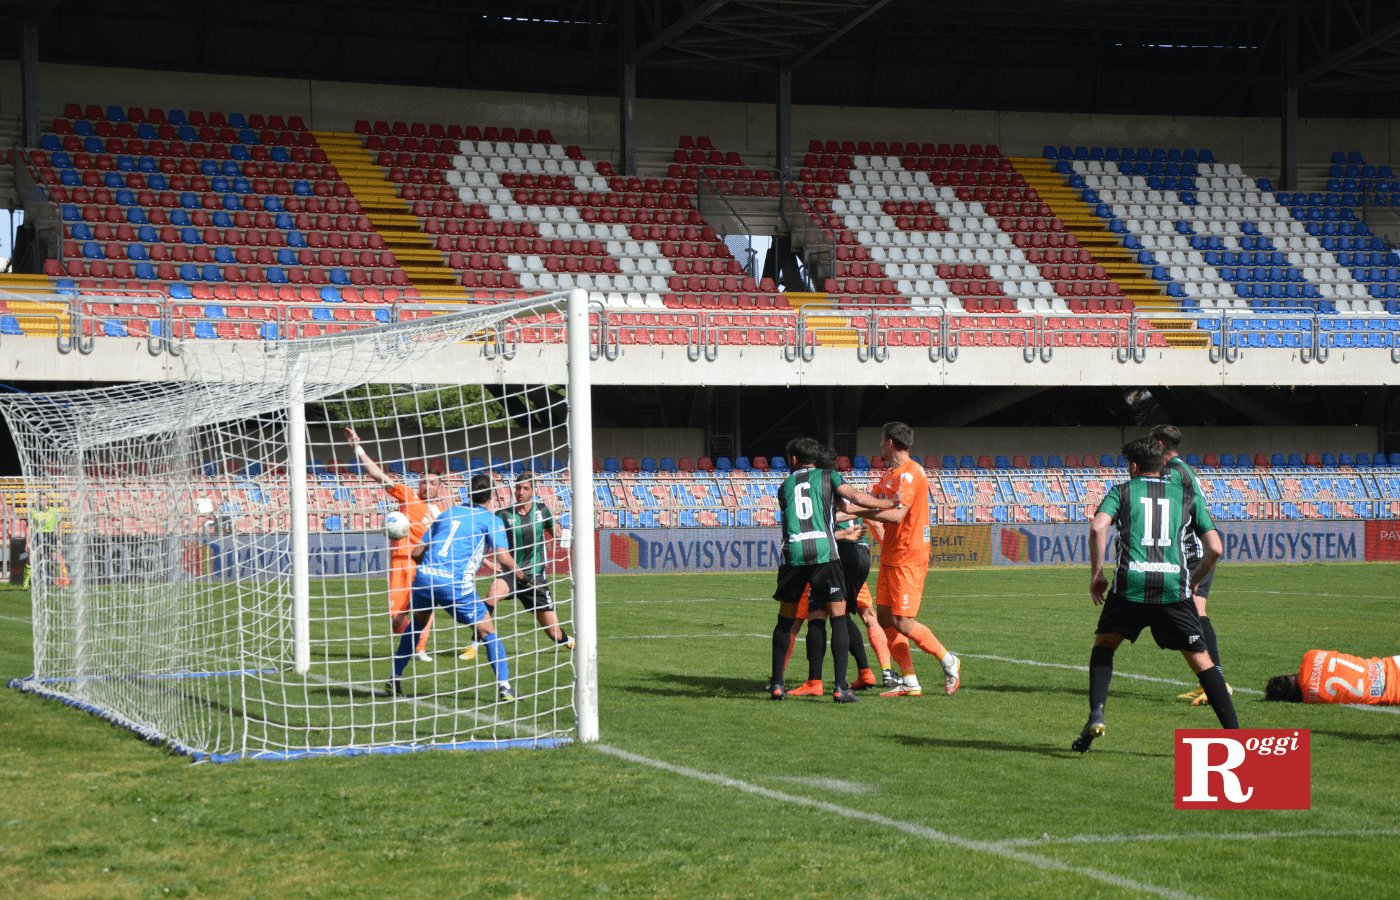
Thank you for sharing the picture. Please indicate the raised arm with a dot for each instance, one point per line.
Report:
(371, 467)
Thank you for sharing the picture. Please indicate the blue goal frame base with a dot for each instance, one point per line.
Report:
(32, 685)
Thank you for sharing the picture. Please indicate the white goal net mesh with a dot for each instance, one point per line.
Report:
(214, 573)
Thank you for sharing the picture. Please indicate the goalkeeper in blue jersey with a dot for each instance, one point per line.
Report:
(448, 557)
(1152, 585)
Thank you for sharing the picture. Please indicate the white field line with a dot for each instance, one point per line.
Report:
(22, 621)
(921, 831)
(1117, 673)
(1193, 836)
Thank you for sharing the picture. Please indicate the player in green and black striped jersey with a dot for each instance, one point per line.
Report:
(1170, 438)
(1152, 585)
(529, 526)
(807, 513)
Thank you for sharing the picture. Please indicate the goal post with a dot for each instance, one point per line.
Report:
(220, 581)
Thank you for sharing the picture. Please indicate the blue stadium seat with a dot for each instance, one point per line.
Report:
(722, 464)
(610, 464)
(1227, 461)
(649, 464)
(1329, 461)
(1122, 462)
(1295, 460)
(668, 464)
(950, 462)
(1003, 462)
(777, 464)
(1106, 461)
(1037, 462)
(1278, 460)
(1053, 462)
(742, 464)
(860, 463)
(967, 462)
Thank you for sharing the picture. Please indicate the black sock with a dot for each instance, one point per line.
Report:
(840, 649)
(816, 648)
(1100, 674)
(1213, 681)
(782, 639)
(1208, 632)
(564, 637)
(857, 643)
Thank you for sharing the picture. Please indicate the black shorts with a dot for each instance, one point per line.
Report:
(855, 564)
(1203, 589)
(535, 597)
(825, 579)
(1175, 626)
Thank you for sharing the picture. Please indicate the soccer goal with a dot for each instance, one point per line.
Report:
(219, 580)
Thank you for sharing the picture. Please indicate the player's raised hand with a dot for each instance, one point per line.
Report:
(1098, 588)
(351, 436)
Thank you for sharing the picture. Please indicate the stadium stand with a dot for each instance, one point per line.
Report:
(647, 493)
(254, 227)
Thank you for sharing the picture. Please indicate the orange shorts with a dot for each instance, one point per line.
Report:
(801, 613)
(862, 601)
(901, 588)
(401, 569)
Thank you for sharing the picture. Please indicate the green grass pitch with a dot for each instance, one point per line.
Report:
(703, 788)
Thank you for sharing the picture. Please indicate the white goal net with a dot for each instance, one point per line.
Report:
(211, 568)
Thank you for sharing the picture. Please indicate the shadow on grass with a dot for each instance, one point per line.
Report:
(1064, 752)
(1357, 736)
(700, 685)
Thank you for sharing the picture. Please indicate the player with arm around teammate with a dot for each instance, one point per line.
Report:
(1326, 676)
(1151, 586)
(448, 556)
(904, 555)
(806, 508)
(854, 554)
(420, 509)
(528, 526)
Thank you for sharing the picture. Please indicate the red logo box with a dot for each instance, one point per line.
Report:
(1248, 768)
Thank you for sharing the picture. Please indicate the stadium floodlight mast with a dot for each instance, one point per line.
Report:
(219, 581)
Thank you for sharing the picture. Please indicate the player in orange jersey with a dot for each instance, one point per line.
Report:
(420, 509)
(1326, 676)
(904, 564)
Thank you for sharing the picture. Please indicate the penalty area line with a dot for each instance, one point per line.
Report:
(1195, 836)
(921, 831)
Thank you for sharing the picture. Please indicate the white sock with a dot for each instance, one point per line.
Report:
(948, 660)
(910, 680)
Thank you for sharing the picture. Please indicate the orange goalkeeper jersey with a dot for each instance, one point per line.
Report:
(1326, 676)
(420, 516)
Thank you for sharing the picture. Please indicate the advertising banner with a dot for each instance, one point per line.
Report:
(1383, 540)
(1298, 541)
(688, 550)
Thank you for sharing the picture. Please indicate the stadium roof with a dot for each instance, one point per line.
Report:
(1199, 57)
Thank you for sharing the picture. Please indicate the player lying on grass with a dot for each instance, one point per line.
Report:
(1326, 676)
(806, 509)
(448, 556)
(1152, 586)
